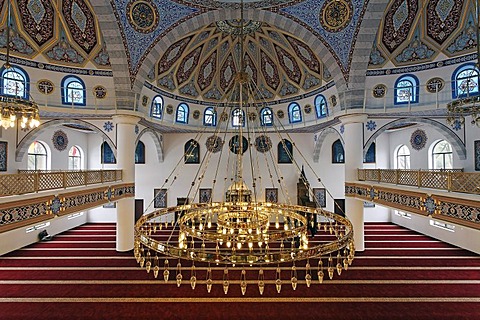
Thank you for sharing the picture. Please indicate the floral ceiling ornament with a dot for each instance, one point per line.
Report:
(335, 15)
(142, 15)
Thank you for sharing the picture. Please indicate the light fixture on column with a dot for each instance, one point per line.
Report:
(224, 242)
(13, 106)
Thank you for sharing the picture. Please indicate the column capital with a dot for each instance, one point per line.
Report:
(126, 119)
(353, 118)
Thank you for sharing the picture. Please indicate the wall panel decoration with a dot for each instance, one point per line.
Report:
(3, 155)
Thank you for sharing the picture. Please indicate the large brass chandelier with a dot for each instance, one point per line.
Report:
(240, 239)
(13, 106)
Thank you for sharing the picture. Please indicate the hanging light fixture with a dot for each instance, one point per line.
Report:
(229, 239)
(469, 103)
(13, 107)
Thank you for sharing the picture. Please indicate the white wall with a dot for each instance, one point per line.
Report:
(19, 238)
(463, 237)
(152, 174)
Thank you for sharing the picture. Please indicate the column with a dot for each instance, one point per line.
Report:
(353, 160)
(126, 162)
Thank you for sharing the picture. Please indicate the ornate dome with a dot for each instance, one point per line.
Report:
(67, 35)
(202, 65)
(412, 32)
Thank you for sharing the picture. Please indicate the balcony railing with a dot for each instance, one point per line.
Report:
(454, 180)
(28, 181)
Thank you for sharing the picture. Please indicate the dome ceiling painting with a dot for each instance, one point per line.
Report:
(414, 31)
(202, 65)
(143, 23)
(61, 31)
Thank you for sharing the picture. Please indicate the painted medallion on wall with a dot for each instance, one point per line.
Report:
(307, 108)
(100, 92)
(196, 114)
(280, 114)
(263, 143)
(144, 101)
(435, 85)
(418, 139)
(238, 146)
(60, 140)
(142, 15)
(169, 109)
(335, 15)
(45, 86)
(379, 91)
(477, 155)
(214, 144)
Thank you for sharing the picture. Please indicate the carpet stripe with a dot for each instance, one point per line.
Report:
(220, 268)
(244, 300)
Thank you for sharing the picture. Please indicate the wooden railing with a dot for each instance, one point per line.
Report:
(27, 181)
(454, 180)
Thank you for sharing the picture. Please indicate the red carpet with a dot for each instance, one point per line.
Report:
(79, 275)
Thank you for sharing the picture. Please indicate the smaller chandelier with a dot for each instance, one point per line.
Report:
(15, 108)
(461, 108)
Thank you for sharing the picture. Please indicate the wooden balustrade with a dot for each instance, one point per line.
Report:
(454, 180)
(28, 181)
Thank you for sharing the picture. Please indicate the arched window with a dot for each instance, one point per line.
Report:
(238, 117)
(140, 153)
(402, 157)
(465, 81)
(285, 151)
(37, 156)
(406, 89)
(156, 109)
(15, 82)
(210, 117)
(370, 155)
(442, 155)
(107, 153)
(294, 113)
(75, 158)
(182, 113)
(266, 116)
(321, 107)
(338, 153)
(73, 91)
(192, 151)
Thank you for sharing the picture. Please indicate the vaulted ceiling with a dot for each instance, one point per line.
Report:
(189, 47)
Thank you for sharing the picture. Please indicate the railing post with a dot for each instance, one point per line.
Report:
(419, 178)
(85, 173)
(379, 172)
(36, 181)
(397, 175)
(64, 178)
(449, 181)
(101, 176)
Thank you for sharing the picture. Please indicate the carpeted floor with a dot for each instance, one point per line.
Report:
(79, 275)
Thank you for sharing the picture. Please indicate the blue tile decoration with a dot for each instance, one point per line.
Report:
(108, 126)
(341, 43)
(137, 44)
(371, 125)
(56, 205)
(430, 205)
(457, 125)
